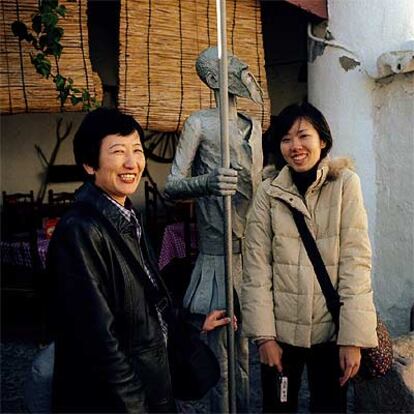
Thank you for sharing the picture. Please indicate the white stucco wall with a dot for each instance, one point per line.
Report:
(370, 28)
(345, 97)
(394, 232)
(364, 114)
(22, 170)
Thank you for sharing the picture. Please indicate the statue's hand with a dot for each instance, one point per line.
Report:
(222, 181)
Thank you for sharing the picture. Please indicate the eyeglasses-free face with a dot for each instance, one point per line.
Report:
(301, 146)
(121, 164)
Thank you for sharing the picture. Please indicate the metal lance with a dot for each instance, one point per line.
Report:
(225, 151)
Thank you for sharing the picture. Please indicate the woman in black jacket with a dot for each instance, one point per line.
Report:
(110, 339)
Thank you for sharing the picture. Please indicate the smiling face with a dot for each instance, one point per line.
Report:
(121, 164)
(301, 146)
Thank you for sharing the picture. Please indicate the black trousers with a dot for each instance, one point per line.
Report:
(322, 362)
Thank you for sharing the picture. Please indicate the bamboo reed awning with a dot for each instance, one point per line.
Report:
(24, 90)
(159, 43)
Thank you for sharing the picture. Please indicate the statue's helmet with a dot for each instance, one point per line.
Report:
(241, 81)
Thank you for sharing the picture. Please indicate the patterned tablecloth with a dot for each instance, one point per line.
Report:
(173, 243)
(18, 252)
(173, 246)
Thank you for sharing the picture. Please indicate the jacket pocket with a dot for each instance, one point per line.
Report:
(151, 364)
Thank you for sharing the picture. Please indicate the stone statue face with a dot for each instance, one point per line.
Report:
(241, 81)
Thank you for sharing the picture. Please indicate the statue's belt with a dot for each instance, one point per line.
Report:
(217, 248)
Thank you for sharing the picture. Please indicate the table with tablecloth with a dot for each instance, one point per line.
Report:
(19, 252)
(174, 243)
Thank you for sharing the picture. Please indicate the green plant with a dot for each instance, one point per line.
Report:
(45, 38)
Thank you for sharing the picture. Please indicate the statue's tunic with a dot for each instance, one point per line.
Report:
(198, 154)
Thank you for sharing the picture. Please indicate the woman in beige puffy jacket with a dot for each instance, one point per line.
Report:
(284, 309)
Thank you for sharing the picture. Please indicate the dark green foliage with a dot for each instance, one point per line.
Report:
(41, 64)
(45, 39)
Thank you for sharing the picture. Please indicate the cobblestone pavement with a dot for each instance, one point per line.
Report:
(199, 407)
(16, 358)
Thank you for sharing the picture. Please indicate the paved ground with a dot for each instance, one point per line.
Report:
(200, 407)
(18, 350)
(16, 358)
(17, 355)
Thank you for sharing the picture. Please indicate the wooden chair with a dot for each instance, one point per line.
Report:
(58, 203)
(18, 198)
(22, 271)
(18, 214)
(152, 223)
(151, 203)
(62, 198)
(23, 287)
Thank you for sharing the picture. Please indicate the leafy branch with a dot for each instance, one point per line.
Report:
(45, 38)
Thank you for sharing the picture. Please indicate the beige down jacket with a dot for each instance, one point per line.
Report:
(281, 295)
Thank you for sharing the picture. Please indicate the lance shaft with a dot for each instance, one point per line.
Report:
(225, 150)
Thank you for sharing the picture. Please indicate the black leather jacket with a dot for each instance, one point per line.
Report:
(110, 354)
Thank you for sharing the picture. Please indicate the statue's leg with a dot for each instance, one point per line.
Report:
(217, 340)
(241, 345)
(219, 394)
(242, 373)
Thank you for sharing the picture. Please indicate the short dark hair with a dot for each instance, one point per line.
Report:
(95, 127)
(287, 117)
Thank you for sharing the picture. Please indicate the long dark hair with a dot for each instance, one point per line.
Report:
(282, 123)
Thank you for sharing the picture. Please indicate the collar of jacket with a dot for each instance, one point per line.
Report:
(252, 143)
(90, 194)
(249, 138)
(283, 188)
(253, 131)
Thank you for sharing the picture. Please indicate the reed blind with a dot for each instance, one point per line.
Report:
(24, 90)
(159, 44)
